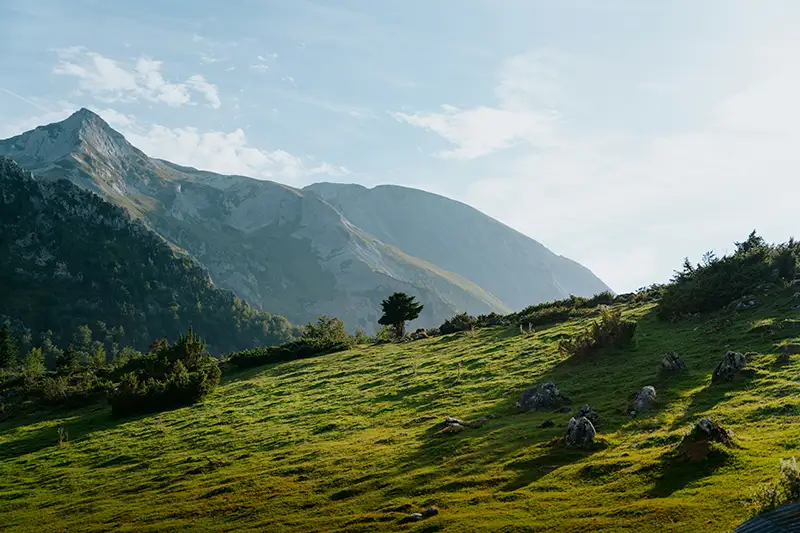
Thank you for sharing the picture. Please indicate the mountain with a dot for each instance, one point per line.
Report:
(69, 258)
(461, 239)
(296, 252)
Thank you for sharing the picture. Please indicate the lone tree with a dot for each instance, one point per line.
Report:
(397, 310)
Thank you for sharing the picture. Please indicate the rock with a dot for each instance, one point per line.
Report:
(644, 400)
(413, 517)
(673, 362)
(589, 413)
(731, 364)
(419, 334)
(743, 305)
(697, 444)
(429, 512)
(547, 424)
(580, 432)
(541, 396)
(450, 421)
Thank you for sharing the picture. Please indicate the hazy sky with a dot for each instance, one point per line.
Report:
(623, 134)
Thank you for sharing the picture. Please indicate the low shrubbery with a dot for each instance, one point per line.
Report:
(611, 330)
(717, 281)
(169, 375)
(326, 336)
(784, 490)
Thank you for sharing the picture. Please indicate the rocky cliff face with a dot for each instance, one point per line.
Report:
(336, 250)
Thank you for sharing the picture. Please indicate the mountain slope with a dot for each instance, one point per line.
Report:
(280, 248)
(459, 238)
(69, 258)
(290, 251)
(342, 442)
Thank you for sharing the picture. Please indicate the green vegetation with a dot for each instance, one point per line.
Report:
(338, 442)
(398, 309)
(169, 375)
(70, 263)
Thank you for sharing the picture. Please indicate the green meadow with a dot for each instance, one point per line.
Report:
(345, 442)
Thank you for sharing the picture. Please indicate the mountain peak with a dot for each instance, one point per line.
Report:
(83, 132)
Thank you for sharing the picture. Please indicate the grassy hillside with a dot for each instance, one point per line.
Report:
(337, 442)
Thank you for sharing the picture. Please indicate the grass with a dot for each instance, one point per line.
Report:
(340, 442)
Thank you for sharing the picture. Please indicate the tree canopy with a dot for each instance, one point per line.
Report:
(398, 309)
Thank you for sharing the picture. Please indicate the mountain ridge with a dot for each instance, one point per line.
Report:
(287, 250)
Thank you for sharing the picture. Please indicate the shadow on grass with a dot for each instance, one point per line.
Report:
(674, 472)
(711, 395)
(73, 426)
(556, 456)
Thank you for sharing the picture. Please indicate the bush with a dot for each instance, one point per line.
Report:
(610, 331)
(170, 375)
(460, 322)
(302, 348)
(785, 489)
(716, 282)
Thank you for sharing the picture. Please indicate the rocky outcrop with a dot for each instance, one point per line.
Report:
(589, 413)
(541, 396)
(730, 365)
(672, 362)
(645, 399)
(580, 432)
(698, 443)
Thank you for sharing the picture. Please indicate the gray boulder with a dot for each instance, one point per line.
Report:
(673, 362)
(731, 364)
(580, 432)
(644, 400)
(541, 396)
(589, 413)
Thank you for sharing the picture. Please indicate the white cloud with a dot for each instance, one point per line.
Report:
(628, 205)
(109, 81)
(218, 151)
(258, 67)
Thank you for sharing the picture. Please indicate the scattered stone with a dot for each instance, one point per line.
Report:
(697, 445)
(541, 396)
(429, 512)
(644, 400)
(580, 432)
(454, 425)
(416, 517)
(547, 424)
(589, 413)
(413, 517)
(673, 362)
(743, 305)
(731, 364)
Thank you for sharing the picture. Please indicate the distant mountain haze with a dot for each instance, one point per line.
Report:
(325, 249)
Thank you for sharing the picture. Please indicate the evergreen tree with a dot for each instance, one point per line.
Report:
(397, 310)
(8, 347)
(33, 364)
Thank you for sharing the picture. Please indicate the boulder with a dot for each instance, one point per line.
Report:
(429, 512)
(673, 362)
(731, 364)
(644, 400)
(743, 305)
(482, 421)
(547, 424)
(698, 443)
(541, 396)
(589, 413)
(580, 432)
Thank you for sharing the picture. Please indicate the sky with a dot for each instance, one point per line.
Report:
(626, 135)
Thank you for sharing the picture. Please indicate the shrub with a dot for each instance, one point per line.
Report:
(328, 329)
(460, 322)
(716, 282)
(302, 348)
(785, 489)
(610, 331)
(170, 375)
